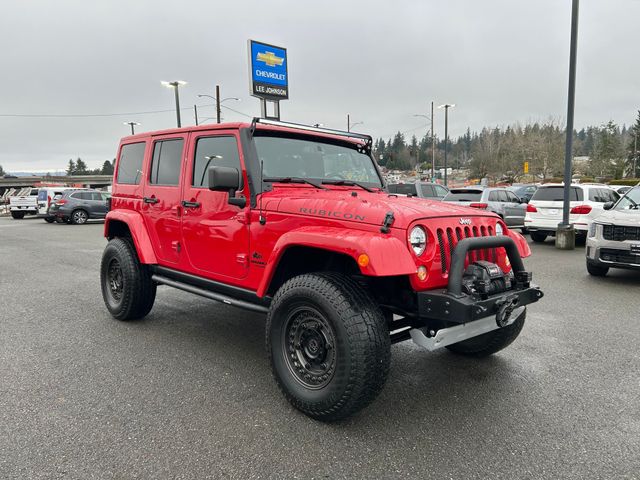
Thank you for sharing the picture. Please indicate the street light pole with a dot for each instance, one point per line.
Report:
(218, 101)
(175, 85)
(446, 107)
(195, 113)
(566, 235)
(348, 123)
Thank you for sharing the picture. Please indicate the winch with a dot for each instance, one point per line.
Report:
(484, 278)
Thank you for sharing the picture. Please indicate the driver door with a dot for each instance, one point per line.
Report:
(215, 234)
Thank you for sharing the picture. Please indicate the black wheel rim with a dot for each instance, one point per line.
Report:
(309, 347)
(114, 279)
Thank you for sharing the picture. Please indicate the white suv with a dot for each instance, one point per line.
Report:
(614, 237)
(544, 211)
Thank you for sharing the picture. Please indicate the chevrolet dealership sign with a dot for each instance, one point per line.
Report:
(268, 71)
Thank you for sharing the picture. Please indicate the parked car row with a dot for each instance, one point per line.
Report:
(60, 204)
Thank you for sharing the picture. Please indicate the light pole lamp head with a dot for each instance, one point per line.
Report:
(174, 84)
(447, 105)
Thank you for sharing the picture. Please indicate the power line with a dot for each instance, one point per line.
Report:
(97, 115)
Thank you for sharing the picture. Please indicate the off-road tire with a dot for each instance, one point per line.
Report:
(138, 292)
(362, 347)
(538, 237)
(491, 342)
(596, 270)
(17, 215)
(79, 217)
(49, 219)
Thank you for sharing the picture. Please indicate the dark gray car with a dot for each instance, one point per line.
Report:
(78, 206)
(497, 200)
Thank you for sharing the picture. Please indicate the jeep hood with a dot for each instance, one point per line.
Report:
(626, 218)
(360, 206)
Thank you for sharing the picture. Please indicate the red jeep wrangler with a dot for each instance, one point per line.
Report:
(295, 222)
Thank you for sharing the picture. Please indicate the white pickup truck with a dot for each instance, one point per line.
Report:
(26, 204)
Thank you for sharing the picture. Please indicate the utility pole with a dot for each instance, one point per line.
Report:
(195, 112)
(218, 114)
(348, 123)
(635, 154)
(433, 148)
(132, 124)
(446, 107)
(566, 234)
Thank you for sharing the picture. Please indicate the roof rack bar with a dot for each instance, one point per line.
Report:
(310, 128)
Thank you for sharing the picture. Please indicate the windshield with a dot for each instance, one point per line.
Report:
(630, 201)
(556, 194)
(314, 160)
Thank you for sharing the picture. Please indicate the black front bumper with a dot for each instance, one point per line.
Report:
(452, 305)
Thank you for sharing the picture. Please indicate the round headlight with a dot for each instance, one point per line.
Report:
(499, 230)
(418, 240)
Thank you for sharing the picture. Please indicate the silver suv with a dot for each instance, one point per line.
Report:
(614, 236)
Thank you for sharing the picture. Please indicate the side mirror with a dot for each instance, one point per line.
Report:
(608, 205)
(226, 179)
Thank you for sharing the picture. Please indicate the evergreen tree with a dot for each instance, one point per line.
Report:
(71, 168)
(107, 168)
(81, 167)
(633, 159)
(1, 171)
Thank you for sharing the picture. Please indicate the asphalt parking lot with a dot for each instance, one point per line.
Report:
(187, 393)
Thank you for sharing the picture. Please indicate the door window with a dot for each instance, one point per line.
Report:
(494, 196)
(96, 196)
(440, 191)
(512, 198)
(167, 159)
(213, 152)
(130, 163)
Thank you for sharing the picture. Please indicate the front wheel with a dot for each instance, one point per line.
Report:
(328, 344)
(491, 342)
(538, 237)
(79, 217)
(596, 270)
(49, 219)
(127, 288)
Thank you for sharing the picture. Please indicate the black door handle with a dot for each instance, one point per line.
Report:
(190, 204)
(150, 200)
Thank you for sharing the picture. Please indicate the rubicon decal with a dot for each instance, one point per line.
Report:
(330, 213)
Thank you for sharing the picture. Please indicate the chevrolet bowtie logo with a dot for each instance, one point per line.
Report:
(270, 58)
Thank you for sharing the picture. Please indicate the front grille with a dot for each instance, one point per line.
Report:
(620, 234)
(448, 239)
(619, 256)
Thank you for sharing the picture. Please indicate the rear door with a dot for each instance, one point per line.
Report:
(514, 210)
(98, 205)
(215, 234)
(161, 199)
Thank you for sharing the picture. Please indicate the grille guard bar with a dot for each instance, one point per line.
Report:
(454, 287)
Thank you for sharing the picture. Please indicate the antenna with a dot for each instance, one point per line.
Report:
(261, 217)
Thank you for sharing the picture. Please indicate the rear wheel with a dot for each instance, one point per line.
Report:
(127, 288)
(17, 215)
(79, 217)
(491, 342)
(596, 270)
(328, 344)
(538, 237)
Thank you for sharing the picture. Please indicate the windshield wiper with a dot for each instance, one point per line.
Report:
(293, 180)
(349, 183)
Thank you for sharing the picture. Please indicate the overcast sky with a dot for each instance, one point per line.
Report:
(499, 61)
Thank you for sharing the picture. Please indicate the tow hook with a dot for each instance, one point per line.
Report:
(505, 309)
